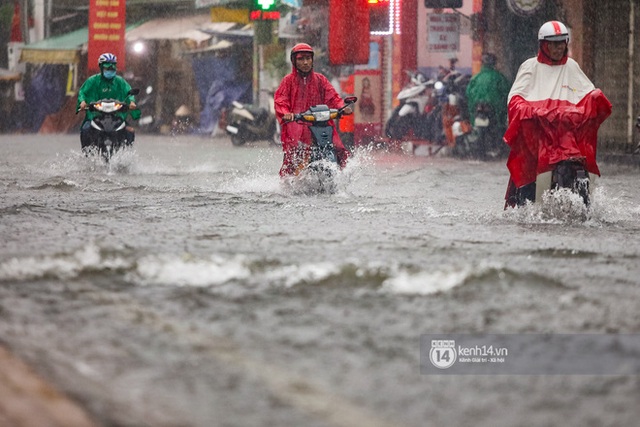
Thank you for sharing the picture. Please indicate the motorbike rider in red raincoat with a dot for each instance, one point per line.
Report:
(298, 91)
(554, 115)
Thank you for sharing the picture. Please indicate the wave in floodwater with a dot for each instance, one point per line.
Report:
(243, 274)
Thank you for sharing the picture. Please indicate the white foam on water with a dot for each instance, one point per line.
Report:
(63, 266)
(433, 282)
(425, 282)
(170, 270)
(292, 275)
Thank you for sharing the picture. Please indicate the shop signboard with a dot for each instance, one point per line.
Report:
(443, 32)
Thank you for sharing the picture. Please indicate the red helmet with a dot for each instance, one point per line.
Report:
(299, 48)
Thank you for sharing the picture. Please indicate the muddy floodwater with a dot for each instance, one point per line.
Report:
(184, 285)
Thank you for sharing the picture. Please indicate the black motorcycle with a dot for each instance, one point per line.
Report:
(109, 132)
(249, 123)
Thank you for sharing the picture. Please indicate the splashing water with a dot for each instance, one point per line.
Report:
(563, 206)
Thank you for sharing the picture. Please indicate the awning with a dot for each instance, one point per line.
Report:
(221, 45)
(185, 27)
(211, 3)
(63, 49)
(228, 29)
(205, 3)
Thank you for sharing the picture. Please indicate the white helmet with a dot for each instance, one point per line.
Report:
(553, 31)
(107, 58)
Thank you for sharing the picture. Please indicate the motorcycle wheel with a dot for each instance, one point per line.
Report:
(397, 127)
(238, 139)
(572, 175)
(106, 151)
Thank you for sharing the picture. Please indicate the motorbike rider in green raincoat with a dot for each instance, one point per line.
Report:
(105, 85)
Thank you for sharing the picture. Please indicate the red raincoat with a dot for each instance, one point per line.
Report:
(295, 95)
(554, 115)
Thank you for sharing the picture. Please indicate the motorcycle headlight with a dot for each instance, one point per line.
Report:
(322, 116)
(109, 107)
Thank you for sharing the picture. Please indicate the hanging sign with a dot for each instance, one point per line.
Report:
(106, 31)
(443, 30)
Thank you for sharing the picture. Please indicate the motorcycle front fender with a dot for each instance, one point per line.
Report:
(244, 113)
(407, 109)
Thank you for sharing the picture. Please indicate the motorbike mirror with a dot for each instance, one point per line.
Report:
(134, 91)
(350, 99)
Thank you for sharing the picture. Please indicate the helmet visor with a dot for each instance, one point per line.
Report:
(558, 38)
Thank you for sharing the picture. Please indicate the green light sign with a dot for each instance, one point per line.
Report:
(265, 4)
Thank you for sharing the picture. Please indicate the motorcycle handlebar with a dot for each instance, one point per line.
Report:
(348, 102)
(90, 107)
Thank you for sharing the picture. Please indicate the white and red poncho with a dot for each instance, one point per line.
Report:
(554, 115)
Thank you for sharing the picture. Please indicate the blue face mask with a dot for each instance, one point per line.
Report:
(109, 74)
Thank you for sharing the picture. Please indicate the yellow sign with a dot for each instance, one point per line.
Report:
(221, 14)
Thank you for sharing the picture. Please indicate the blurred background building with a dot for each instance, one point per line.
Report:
(201, 54)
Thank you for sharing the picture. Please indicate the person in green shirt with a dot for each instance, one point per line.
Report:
(105, 85)
(490, 87)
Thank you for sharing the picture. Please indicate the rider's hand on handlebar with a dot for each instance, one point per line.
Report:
(132, 105)
(287, 117)
(83, 105)
(347, 111)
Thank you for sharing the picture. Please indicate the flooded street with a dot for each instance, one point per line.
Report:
(183, 285)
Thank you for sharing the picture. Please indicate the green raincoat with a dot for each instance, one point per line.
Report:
(97, 87)
(492, 87)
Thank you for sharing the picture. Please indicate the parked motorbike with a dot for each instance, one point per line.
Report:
(249, 123)
(323, 161)
(452, 104)
(429, 109)
(481, 141)
(411, 115)
(148, 122)
(110, 133)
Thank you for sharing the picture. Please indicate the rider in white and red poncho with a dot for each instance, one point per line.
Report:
(554, 112)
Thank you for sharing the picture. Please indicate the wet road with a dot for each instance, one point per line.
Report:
(182, 285)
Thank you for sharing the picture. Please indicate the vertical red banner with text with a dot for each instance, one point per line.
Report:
(106, 31)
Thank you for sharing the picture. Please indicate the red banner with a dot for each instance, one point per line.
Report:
(106, 31)
(348, 32)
